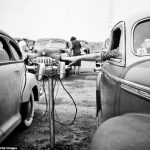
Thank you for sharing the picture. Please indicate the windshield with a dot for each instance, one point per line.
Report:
(50, 44)
(141, 38)
(56, 44)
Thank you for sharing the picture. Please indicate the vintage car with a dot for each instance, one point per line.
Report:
(123, 89)
(18, 88)
(84, 47)
(52, 49)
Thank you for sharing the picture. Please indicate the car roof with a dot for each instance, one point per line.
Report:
(135, 17)
(4, 33)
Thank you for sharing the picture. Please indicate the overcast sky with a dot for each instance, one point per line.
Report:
(86, 19)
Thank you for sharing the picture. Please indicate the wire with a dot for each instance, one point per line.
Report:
(56, 75)
(71, 123)
(46, 110)
(52, 76)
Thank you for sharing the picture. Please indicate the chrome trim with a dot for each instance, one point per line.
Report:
(45, 60)
(121, 61)
(129, 86)
(136, 91)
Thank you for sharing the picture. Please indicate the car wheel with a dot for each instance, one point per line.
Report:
(28, 111)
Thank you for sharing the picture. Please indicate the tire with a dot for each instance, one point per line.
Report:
(27, 112)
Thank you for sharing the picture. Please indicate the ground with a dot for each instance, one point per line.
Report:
(73, 137)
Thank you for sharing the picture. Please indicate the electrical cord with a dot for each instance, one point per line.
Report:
(46, 110)
(71, 123)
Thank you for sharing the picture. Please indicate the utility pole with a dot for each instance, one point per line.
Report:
(51, 109)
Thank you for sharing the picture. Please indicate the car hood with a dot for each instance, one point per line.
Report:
(51, 52)
(139, 73)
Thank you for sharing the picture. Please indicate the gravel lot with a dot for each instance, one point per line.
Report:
(74, 137)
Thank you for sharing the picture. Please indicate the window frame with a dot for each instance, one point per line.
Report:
(7, 49)
(9, 40)
(118, 61)
(133, 31)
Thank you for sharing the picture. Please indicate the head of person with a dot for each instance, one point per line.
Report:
(73, 38)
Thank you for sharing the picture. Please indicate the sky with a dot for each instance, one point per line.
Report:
(88, 20)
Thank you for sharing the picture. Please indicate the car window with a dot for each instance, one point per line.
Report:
(56, 44)
(15, 50)
(4, 51)
(117, 41)
(50, 44)
(40, 44)
(141, 38)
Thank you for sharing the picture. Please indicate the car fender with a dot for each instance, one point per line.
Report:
(29, 82)
(129, 131)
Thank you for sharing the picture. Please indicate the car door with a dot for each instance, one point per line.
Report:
(9, 89)
(111, 72)
(18, 59)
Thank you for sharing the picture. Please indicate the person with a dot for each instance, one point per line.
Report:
(101, 56)
(76, 46)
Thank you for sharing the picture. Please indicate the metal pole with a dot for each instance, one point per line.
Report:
(51, 112)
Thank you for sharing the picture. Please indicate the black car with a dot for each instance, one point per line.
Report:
(52, 49)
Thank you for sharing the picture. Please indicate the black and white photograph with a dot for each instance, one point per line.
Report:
(74, 74)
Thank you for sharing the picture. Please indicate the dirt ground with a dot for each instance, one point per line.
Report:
(74, 137)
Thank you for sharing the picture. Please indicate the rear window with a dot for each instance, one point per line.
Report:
(56, 44)
(40, 44)
(50, 44)
(141, 38)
